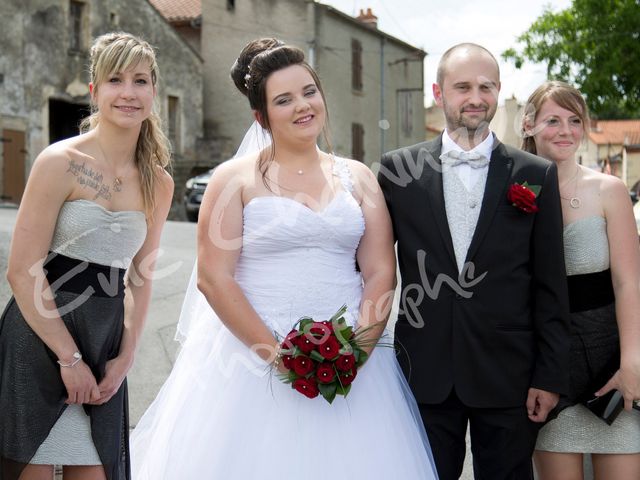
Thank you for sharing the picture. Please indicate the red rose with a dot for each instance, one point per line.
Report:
(523, 198)
(320, 330)
(330, 348)
(307, 344)
(345, 362)
(325, 373)
(306, 387)
(302, 365)
(348, 377)
(329, 325)
(287, 361)
(291, 340)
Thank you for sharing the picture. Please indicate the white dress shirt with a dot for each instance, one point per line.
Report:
(467, 174)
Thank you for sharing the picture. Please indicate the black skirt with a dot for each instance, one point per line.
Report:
(89, 298)
(595, 342)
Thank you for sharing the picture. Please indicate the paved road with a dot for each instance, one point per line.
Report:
(157, 350)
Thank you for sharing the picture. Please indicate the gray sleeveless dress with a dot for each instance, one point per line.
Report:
(577, 430)
(94, 247)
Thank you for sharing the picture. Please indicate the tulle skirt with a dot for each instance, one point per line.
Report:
(223, 415)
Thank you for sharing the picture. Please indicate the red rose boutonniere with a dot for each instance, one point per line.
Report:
(523, 196)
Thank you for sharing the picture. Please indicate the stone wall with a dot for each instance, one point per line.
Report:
(224, 33)
(37, 65)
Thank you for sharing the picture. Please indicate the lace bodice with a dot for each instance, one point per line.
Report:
(297, 262)
(586, 246)
(87, 231)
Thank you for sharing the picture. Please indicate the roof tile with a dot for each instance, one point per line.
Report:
(617, 132)
(178, 10)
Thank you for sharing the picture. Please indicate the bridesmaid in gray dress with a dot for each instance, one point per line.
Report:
(603, 266)
(92, 212)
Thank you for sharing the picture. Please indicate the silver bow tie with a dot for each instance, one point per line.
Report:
(473, 159)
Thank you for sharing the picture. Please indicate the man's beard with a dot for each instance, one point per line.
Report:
(469, 128)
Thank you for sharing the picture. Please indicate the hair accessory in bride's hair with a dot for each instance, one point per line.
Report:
(247, 77)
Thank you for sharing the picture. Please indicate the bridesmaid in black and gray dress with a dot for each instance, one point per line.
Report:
(80, 267)
(603, 266)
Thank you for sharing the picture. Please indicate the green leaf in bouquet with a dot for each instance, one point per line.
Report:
(361, 357)
(288, 377)
(288, 351)
(328, 391)
(344, 335)
(346, 349)
(343, 390)
(341, 311)
(305, 324)
(315, 355)
(339, 323)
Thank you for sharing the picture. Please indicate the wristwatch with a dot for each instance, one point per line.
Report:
(77, 356)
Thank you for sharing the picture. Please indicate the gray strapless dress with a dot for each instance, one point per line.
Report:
(577, 430)
(36, 426)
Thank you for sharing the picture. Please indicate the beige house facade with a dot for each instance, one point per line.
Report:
(373, 81)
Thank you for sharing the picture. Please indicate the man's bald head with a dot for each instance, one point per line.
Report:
(462, 49)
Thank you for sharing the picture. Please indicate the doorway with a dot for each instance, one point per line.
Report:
(13, 165)
(65, 118)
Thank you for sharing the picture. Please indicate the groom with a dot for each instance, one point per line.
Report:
(483, 323)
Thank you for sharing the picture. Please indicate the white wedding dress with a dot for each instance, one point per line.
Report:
(223, 415)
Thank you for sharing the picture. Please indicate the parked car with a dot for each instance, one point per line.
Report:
(194, 190)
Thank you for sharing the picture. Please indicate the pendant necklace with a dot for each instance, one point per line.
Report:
(117, 182)
(298, 172)
(574, 201)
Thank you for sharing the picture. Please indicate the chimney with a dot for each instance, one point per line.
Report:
(368, 18)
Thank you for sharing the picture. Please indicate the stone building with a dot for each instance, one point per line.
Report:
(44, 78)
(185, 16)
(373, 81)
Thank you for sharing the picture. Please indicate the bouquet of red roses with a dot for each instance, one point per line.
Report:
(322, 357)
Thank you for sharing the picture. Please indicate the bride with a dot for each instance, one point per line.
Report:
(285, 231)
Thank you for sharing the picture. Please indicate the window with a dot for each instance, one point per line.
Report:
(356, 65)
(75, 25)
(174, 122)
(405, 105)
(357, 141)
(231, 5)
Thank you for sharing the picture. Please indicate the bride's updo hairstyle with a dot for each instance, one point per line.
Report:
(257, 61)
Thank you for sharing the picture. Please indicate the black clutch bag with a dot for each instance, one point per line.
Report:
(607, 407)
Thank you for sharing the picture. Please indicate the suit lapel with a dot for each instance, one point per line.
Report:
(495, 189)
(432, 178)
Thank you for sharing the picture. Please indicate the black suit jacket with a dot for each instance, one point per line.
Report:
(504, 325)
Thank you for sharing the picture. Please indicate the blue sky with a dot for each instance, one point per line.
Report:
(435, 26)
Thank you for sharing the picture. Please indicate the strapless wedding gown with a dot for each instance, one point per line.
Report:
(223, 415)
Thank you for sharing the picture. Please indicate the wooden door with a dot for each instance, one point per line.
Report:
(13, 162)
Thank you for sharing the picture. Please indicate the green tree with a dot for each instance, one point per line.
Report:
(594, 45)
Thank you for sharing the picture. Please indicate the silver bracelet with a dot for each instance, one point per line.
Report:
(77, 357)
